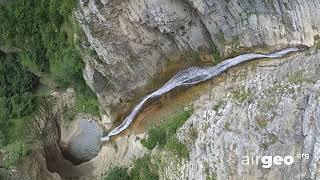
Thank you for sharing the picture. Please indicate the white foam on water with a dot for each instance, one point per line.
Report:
(191, 76)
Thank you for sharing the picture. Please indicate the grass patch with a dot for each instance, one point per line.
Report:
(215, 53)
(69, 114)
(164, 135)
(272, 138)
(298, 78)
(262, 123)
(220, 37)
(156, 136)
(86, 101)
(17, 102)
(235, 43)
(144, 169)
(240, 95)
(192, 56)
(317, 42)
(16, 152)
(175, 146)
(264, 146)
(227, 126)
(193, 134)
(117, 173)
(44, 31)
(209, 176)
(218, 105)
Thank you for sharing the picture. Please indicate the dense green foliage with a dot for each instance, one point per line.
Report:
(86, 101)
(164, 135)
(16, 152)
(143, 169)
(16, 100)
(118, 174)
(43, 29)
(215, 53)
(177, 147)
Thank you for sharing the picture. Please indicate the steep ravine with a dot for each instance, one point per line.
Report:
(267, 107)
(128, 44)
(194, 76)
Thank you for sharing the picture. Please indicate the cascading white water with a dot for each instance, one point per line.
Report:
(193, 76)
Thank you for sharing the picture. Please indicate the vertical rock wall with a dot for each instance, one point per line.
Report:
(126, 44)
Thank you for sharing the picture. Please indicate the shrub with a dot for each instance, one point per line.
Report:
(86, 101)
(215, 53)
(35, 60)
(117, 173)
(143, 169)
(16, 152)
(241, 95)
(36, 25)
(156, 136)
(262, 123)
(16, 100)
(177, 147)
(164, 134)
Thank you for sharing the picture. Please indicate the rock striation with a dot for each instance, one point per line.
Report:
(259, 109)
(126, 45)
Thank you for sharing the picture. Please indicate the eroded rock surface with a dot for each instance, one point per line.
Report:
(128, 43)
(259, 109)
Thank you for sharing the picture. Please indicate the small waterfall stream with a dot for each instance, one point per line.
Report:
(195, 75)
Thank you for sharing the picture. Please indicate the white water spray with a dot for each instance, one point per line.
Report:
(191, 76)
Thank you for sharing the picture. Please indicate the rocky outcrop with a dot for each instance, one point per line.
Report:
(121, 152)
(128, 44)
(266, 108)
(32, 168)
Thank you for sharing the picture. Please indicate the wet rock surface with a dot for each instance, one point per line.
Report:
(259, 109)
(127, 44)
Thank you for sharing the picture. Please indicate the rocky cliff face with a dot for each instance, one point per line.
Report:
(259, 109)
(128, 44)
(264, 108)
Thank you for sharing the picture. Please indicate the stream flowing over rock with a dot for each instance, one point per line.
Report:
(127, 44)
(259, 109)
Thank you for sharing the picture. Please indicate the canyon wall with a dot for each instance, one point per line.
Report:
(258, 109)
(130, 45)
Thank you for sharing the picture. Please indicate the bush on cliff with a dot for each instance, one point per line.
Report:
(164, 134)
(118, 174)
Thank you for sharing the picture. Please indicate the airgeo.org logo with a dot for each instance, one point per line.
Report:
(269, 161)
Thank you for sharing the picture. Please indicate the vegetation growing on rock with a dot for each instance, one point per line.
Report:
(163, 138)
(16, 99)
(117, 173)
(164, 134)
(43, 31)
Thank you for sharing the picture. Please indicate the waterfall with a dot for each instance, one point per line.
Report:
(194, 75)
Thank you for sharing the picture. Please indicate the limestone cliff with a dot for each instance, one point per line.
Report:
(259, 109)
(128, 45)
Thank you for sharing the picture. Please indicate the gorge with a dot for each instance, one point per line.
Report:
(159, 89)
(194, 75)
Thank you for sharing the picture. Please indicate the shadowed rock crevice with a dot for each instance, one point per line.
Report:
(139, 41)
